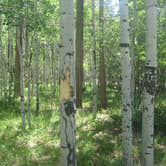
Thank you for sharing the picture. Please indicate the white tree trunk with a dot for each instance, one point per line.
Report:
(36, 46)
(11, 60)
(29, 55)
(54, 67)
(3, 67)
(126, 85)
(150, 81)
(1, 63)
(67, 84)
(29, 92)
(44, 65)
(94, 61)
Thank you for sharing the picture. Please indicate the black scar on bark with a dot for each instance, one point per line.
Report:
(60, 46)
(147, 153)
(125, 109)
(124, 45)
(124, 20)
(69, 54)
(69, 107)
(71, 155)
(152, 100)
(63, 12)
(150, 79)
(128, 105)
(146, 108)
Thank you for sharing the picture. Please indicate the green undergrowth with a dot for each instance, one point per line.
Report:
(98, 140)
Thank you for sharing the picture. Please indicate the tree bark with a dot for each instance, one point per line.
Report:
(126, 85)
(17, 69)
(149, 84)
(79, 53)
(21, 52)
(102, 73)
(94, 61)
(67, 84)
(10, 56)
(29, 55)
(4, 67)
(36, 46)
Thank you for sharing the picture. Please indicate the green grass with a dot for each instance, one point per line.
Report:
(98, 141)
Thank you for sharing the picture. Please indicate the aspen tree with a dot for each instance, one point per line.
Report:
(44, 64)
(150, 82)
(29, 55)
(17, 72)
(1, 63)
(10, 53)
(102, 73)
(20, 46)
(94, 61)
(3, 67)
(36, 46)
(126, 85)
(67, 84)
(10, 56)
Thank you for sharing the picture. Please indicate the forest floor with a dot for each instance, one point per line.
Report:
(98, 141)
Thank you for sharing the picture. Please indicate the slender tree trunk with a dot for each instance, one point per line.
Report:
(47, 67)
(1, 63)
(21, 52)
(53, 62)
(36, 59)
(4, 67)
(57, 69)
(17, 69)
(44, 65)
(150, 82)
(10, 55)
(29, 92)
(94, 61)
(102, 74)
(133, 56)
(67, 84)
(126, 85)
(54, 66)
(28, 54)
(79, 52)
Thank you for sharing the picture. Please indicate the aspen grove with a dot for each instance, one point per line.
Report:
(82, 83)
